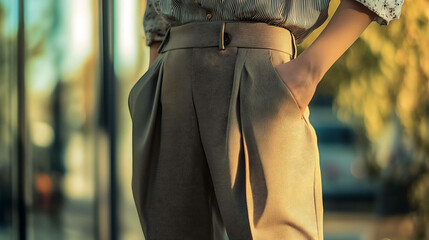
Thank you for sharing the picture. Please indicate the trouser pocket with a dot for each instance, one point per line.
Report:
(275, 58)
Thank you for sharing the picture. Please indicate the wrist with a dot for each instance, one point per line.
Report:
(312, 65)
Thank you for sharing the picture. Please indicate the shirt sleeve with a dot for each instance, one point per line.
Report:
(155, 25)
(386, 10)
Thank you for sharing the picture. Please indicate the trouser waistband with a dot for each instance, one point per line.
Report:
(224, 34)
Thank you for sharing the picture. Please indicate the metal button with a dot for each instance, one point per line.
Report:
(226, 38)
(209, 15)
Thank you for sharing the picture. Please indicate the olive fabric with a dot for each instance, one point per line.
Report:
(220, 146)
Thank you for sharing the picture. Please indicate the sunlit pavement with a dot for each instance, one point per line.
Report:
(365, 226)
(347, 226)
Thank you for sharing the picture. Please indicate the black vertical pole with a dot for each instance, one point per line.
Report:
(22, 136)
(108, 109)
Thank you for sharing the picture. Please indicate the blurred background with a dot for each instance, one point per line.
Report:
(66, 68)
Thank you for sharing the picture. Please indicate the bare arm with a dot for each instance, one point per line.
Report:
(347, 24)
(153, 52)
(302, 74)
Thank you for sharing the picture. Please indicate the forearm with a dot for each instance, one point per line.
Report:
(346, 25)
(153, 52)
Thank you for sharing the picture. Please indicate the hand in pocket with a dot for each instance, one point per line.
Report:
(297, 76)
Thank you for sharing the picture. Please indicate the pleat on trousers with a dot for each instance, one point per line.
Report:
(220, 146)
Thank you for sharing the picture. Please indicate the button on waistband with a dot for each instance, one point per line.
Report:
(227, 38)
(209, 15)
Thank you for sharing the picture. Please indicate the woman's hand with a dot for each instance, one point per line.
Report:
(302, 74)
(298, 76)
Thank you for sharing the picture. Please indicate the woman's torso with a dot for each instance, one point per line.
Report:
(299, 16)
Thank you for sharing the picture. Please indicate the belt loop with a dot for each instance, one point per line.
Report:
(222, 37)
(164, 41)
(294, 49)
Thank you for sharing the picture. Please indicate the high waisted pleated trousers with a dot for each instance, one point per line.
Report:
(220, 147)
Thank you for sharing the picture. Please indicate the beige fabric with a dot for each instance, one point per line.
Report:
(215, 32)
(219, 143)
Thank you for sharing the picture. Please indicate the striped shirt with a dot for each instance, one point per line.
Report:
(301, 17)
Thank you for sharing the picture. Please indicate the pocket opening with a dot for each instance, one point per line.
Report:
(276, 74)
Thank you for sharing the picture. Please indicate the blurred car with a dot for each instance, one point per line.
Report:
(344, 182)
